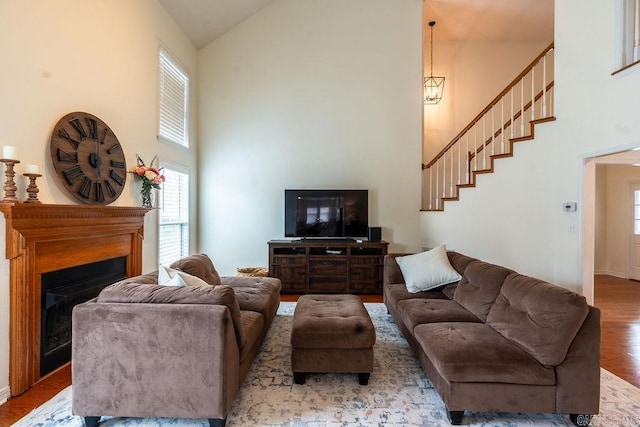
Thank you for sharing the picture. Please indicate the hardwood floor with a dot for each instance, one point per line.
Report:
(618, 299)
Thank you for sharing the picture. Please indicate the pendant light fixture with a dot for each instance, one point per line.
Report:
(433, 86)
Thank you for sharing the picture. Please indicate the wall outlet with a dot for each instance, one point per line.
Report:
(573, 228)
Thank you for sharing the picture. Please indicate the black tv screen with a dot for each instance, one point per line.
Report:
(326, 213)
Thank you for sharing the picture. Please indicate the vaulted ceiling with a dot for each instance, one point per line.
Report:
(477, 20)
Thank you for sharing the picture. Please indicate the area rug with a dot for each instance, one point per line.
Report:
(398, 394)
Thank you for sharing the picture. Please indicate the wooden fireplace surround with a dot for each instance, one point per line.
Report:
(41, 238)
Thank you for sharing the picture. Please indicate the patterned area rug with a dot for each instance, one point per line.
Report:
(398, 394)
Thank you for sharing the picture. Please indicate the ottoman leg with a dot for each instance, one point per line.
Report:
(363, 378)
(299, 377)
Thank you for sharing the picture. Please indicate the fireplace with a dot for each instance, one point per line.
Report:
(61, 290)
(41, 241)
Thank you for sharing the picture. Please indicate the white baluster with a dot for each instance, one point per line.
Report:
(430, 186)
(522, 107)
(502, 125)
(468, 165)
(493, 130)
(512, 118)
(437, 183)
(451, 179)
(533, 92)
(484, 138)
(544, 86)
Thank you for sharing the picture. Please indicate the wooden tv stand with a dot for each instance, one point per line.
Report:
(327, 266)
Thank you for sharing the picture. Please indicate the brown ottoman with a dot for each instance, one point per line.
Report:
(331, 333)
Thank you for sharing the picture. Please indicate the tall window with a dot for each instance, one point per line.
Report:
(629, 36)
(173, 235)
(174, 101)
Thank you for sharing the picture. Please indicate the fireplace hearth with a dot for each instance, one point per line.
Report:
(61, 291)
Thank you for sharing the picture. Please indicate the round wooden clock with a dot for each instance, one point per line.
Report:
(88, 158)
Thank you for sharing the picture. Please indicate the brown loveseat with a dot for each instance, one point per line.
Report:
(145, 350)
(498, 341)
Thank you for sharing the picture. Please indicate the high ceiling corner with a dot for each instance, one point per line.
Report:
(203, 21)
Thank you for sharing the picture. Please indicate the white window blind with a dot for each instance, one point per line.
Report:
(629, 38)
(173, 240)
(174, 98)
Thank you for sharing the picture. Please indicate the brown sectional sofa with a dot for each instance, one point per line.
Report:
(499, 341)
(145, 350)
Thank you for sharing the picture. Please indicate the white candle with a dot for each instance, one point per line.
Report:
(31, 169)
(9, 152)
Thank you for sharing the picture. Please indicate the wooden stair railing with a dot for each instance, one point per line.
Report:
(525, 102)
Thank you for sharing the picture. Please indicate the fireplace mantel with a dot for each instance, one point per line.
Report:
(41, 238)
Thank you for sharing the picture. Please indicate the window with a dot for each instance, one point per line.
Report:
(629, 36)
(174, 101)
(173, 234)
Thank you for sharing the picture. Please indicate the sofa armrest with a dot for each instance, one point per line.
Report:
(578, 376)
(154, 360)
(391, 270)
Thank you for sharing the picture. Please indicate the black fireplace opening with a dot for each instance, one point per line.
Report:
(61, 291)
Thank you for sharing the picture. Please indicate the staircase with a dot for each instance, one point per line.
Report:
(511, 117)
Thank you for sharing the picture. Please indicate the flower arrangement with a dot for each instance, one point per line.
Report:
(151, 177)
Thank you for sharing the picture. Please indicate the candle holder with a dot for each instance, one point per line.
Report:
(10, 186)
(32, 189)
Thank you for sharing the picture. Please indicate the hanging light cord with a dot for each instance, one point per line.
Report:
(431, 24)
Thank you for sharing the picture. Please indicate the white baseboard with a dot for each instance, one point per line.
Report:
(5, 393)
(610, 273)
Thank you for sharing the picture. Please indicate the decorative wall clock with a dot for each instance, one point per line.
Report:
(88, 158)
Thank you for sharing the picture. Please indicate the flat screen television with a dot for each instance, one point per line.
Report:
(326, 213)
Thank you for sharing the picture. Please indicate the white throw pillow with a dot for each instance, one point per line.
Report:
(171, 277)
(427, 270)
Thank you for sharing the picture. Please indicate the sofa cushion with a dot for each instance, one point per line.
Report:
(480, 286)
(261, 294)
(253, 326)
(198, 265)
(459, 261)
(394, 293)
(128, 292)
(476, 353)
(427, 270)
(542, 318)
(414, 312)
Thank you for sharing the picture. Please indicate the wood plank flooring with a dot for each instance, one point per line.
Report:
(619, 302)
(618, 299)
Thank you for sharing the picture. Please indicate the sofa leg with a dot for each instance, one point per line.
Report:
(363, 378)
(299, 377)
(455, 417)
(217, 422)
(581, 420)
(90, 421)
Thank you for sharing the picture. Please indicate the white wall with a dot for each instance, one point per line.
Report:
(96, 56)
(309, 94)
(475, 73)
(514, 216)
